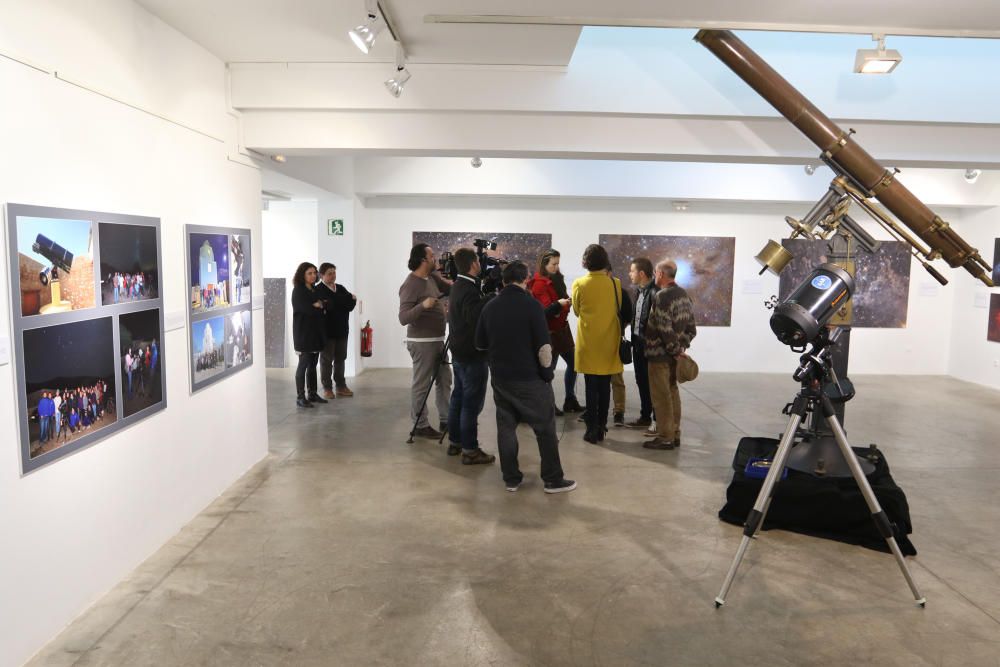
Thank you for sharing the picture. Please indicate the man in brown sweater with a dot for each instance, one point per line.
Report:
(669, 332)
(422, 312)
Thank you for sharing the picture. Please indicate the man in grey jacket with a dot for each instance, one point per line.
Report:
(422, 312)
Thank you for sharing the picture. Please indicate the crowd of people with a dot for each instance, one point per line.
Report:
(64, 412)
(514, 339)
(130, 286)
(321, 309)
(139, 366)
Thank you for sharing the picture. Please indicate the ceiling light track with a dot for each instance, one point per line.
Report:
(604, 22)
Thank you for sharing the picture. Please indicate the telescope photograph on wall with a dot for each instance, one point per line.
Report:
(239, 264)
(128, 263)
(705, 266)
(55, 264)
(209, 279)
(882, 296)
(69, 374)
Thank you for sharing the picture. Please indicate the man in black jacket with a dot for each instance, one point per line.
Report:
(468, 364)
(641, 274)
(513, 331)
(338, 304)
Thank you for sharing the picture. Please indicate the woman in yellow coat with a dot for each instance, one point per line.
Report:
(596, 299)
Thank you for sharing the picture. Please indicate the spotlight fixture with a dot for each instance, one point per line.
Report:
(364, 35)
(810, 169)
(877, 61)
(476, 162)
(972, 175)
(394, 84)
(680, 206)
(279, 158)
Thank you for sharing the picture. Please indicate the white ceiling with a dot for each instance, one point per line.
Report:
(316, 30)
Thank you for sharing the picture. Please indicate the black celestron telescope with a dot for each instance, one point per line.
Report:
(804, 320)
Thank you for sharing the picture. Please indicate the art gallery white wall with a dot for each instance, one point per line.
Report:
(73, 529)
(747, 346)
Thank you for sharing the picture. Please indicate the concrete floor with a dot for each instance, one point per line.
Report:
(348, 547)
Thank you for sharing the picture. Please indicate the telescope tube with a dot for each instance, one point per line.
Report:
(839, 149)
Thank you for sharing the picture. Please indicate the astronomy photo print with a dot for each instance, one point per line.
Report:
(129, 270)
(56, 265)
(140, 360)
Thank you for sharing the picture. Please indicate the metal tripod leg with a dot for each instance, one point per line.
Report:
(756, 517)
(880, 518)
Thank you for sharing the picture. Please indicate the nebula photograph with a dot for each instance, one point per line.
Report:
(525, 247)
(993, 331)
(705, 266)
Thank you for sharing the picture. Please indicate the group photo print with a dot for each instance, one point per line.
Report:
(129, 257)
(139, 339)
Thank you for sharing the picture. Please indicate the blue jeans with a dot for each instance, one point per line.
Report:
(116, 295)
(43, 429)
(467, 399)
(569, 379)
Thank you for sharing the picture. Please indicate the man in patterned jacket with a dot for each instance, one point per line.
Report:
(669, 332)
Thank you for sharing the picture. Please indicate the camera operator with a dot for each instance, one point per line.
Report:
(422, 312)
(669, 332)
(469, 365)
(512, 329)
(338, 306)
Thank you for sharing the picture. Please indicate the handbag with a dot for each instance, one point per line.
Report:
(624, 345)
(687, 369)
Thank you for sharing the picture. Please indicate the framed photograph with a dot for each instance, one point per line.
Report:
(69, 384)
(220, 321)
(129, 263)
(71, 328)
(240, 268)
(525, 247)
(239, 346)
(208, 271)
(993, 329)
(139, 359)
(996, 262)
(55, 261)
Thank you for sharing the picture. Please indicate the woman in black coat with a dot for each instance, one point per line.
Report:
(307, 332)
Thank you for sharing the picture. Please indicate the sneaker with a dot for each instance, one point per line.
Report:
(659, 443)
(314, 398)
(477, 457)
(619, 419)
(454, 448)
(572, 405)
(513, 486)
(650, 432)
(428, 432)
(303, 403)
(328, 394)
(561, 486)
(640, 423)
(344, 392)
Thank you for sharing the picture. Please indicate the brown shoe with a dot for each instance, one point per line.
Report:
(328, 393)
(659, 443)
(477, 456)
(640, 423)
(344, 392)
(428, 432)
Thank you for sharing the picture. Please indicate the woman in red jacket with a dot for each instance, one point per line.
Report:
(549, 287)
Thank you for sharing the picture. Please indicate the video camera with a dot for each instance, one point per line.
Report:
(61, 258)
(491, 268)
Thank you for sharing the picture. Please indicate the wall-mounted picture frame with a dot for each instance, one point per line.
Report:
(68, 328)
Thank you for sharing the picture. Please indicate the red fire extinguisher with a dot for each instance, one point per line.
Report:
(366, 339)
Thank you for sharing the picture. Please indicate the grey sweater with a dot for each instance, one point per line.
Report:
(422, 322)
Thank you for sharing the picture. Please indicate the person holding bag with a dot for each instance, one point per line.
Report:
(549, 288)
(596, 303)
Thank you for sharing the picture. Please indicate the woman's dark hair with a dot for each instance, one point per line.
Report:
(515, 272)
(595, 258)
(543, 261)
(418, 254)
(300, 273)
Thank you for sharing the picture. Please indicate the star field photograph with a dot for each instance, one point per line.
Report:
(993, 330)
(525, 247)
(705, 266)
(882, 279)
(69, 373)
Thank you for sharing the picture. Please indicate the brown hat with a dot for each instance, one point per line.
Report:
(687, 369)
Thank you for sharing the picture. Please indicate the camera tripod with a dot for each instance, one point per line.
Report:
(442, 361)
(815, 368)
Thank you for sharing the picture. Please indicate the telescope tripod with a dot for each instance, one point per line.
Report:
(811, 397)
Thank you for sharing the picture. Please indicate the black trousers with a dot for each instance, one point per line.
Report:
(598, 400)
(528, 402)
(305, 373)
(331, 363)
(641, 367)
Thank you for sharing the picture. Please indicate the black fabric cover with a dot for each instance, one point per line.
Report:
(824, 507)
